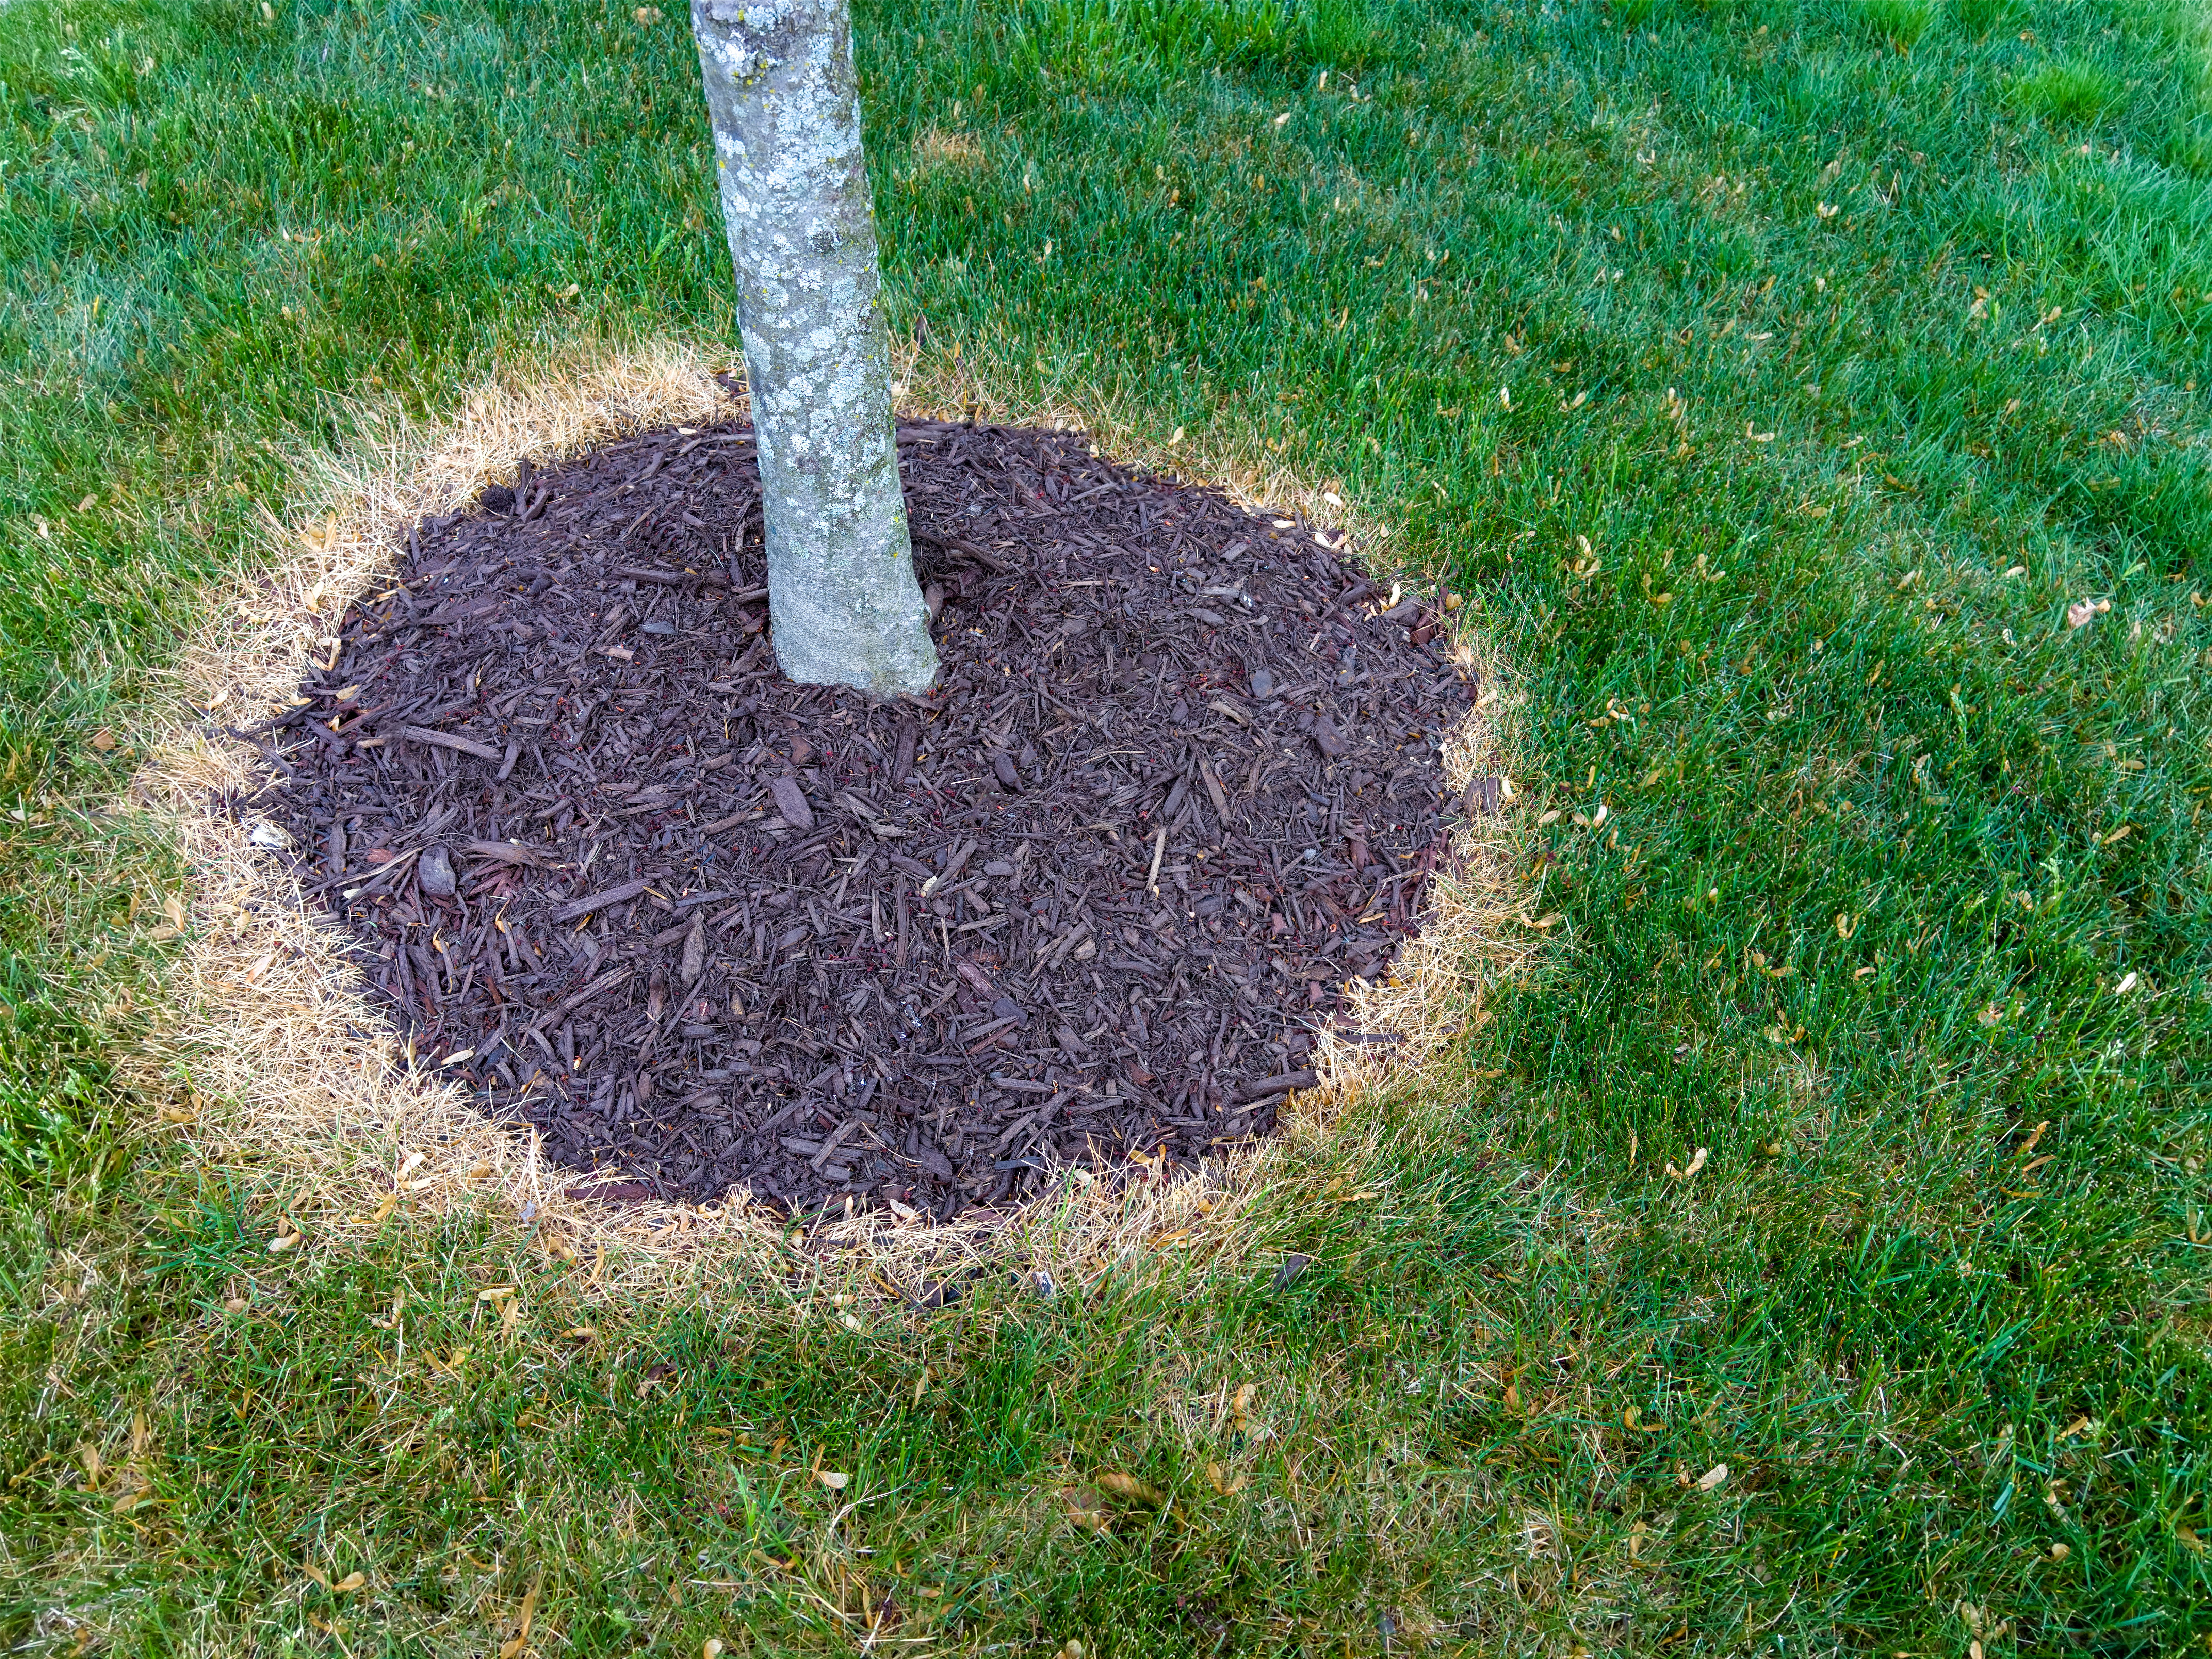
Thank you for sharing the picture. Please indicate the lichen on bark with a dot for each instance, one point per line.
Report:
(843, 602)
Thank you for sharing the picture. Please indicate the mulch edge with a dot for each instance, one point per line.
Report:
(332, 1139)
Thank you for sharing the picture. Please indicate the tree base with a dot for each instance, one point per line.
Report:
(705, 929)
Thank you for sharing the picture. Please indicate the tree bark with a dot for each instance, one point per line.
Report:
(842, 598)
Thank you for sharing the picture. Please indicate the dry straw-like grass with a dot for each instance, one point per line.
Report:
(938, 147)
(300, 1087)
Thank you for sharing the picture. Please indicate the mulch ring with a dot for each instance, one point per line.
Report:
(1087, 902)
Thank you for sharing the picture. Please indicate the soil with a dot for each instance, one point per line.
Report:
(1087, 902)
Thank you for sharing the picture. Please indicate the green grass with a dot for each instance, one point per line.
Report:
(1886, 834)
(2070, 93)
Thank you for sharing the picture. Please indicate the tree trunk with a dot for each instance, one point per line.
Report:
(842, 598)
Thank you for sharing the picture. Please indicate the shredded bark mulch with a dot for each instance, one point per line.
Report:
(1179, 779)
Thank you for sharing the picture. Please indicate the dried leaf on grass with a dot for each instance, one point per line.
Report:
(1137, 1492)
(516, 1643)
(1086, 1507)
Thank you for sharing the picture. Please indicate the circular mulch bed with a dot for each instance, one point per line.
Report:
(1180, 778)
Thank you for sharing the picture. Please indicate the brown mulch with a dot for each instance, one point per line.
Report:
(705, 928)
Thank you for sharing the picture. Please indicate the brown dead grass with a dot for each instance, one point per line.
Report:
(303, 1091)
(936, 147)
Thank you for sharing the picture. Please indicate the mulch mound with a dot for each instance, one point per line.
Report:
(1088, 900)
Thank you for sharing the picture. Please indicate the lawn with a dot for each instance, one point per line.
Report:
(1810, 395)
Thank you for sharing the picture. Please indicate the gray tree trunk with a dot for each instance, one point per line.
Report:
(842, 598)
